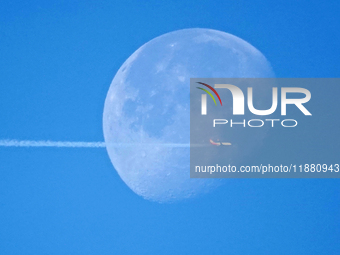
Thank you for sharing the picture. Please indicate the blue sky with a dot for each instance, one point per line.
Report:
(57, 60)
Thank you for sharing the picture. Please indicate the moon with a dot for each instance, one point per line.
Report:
(146, 119)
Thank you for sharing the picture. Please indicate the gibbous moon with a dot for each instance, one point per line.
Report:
(146, 117)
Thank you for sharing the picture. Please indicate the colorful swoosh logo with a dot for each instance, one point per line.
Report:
(209, 93)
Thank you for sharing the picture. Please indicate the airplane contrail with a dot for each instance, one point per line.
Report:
(30, 143)
(69, 144)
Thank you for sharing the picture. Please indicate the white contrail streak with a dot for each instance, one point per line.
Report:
(68, 144)
(29, 143)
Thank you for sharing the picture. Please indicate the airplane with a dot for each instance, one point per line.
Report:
(219, 143)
